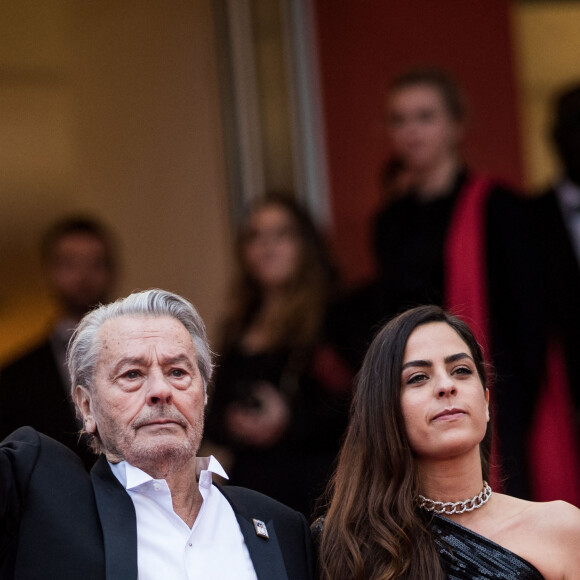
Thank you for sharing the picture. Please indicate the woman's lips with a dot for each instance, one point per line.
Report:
(448, 414)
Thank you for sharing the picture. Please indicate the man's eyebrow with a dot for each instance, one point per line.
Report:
(427, 363)
(179, 359)
(127, 361)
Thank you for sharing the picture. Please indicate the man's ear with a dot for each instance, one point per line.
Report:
(83, 401)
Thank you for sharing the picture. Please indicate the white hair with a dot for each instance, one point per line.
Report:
(84, 348)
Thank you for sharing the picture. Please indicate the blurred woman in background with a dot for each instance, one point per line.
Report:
(279, 399)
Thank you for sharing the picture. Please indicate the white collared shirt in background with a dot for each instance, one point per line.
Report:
(568, 196)
(167, 549)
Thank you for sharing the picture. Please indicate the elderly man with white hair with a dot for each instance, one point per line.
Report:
(140, 368)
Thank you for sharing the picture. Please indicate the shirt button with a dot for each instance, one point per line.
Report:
(156, 487)
(190, 544)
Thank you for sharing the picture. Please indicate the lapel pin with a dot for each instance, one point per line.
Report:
(261, 529)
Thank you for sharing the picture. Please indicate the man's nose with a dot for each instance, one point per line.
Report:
(159, 389)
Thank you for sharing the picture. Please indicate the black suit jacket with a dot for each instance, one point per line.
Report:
(56, 521)
(560, 299)
(549, 309)
(558, 293)
(32, 392)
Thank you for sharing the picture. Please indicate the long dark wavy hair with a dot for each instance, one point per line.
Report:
(372, 529)
(307, 295)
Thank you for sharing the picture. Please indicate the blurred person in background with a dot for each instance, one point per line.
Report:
(78, 261)
(447, 236)
(280, 392)
(554, 415)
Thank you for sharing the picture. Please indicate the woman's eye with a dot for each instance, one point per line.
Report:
(177, 373)
(426, 116)
(132, 375)
(463, 371)
(416, 379)
(395, 121)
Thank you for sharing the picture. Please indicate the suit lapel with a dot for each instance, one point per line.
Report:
(118, 521)
(265, 553)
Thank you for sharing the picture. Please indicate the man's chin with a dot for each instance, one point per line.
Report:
(159, 450)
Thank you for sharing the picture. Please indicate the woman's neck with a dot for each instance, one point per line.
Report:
(258, 336)
(435, 182)
(451, 480)
(272, 298)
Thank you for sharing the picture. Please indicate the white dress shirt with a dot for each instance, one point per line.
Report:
(167, 549)
(568, 196)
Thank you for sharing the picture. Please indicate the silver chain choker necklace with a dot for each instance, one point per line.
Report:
(449, 508)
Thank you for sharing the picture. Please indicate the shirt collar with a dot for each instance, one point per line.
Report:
(132, 477)
(568, 194)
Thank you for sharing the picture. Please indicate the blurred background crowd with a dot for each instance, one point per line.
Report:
(301, 170)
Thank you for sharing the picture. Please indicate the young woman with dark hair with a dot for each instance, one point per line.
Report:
(281, 394)
(409, 498)
(284, 279)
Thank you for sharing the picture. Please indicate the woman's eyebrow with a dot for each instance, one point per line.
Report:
(417, 363)
(456, 357)
(427, 363)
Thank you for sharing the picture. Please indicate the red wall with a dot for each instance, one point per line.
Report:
(362, 45)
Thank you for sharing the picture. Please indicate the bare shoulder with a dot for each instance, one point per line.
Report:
(557, 527)
(554, 516)
(546, 534)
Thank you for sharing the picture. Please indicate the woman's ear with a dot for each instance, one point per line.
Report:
(487, 403)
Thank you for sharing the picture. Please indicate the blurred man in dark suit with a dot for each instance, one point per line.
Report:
(79, 266)
(555, 220)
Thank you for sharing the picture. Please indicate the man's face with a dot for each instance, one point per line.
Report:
(79, 272)
(147, 400)
(422, 131)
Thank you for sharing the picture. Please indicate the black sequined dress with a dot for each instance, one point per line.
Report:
(469, 556)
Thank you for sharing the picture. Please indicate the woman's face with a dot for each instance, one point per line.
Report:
(272, 249)
(444, 405)
(422, 132)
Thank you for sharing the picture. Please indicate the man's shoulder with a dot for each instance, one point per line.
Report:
(38, 349)
(254, 504)
(23, 435)
(32, 437)
(544, 210)
(291, 534)
(46, 493)
(39, 354)
(502, 197)
(27, 443)
(543, 196)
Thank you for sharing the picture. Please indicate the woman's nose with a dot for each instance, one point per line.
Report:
(446, 387)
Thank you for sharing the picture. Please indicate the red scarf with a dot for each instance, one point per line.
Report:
(554, 456)
(465, 260)
(465, 273)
